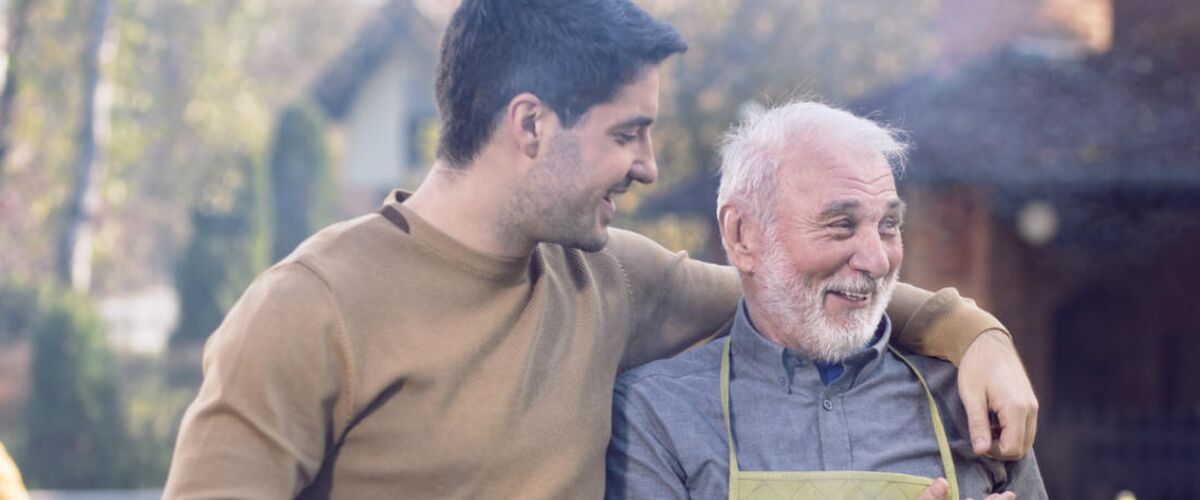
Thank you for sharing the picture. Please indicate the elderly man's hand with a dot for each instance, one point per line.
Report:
(936, 491)
(992, 379)
(940, 489)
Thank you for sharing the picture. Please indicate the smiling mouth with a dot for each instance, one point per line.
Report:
(852, 296)
(611, 197)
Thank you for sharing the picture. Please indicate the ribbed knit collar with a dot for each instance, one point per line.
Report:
(490, 266)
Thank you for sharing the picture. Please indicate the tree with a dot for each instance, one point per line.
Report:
(228, 248)
(75, 248)
(303, 194)
(18, 30)
(194, 83)
(75, 421)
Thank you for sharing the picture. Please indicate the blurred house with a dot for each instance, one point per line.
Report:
(1060, 187)
(378, 97)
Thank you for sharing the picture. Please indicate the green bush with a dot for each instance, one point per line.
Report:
(75, 424)
(301, 181)
(18, 309)
(228, 248)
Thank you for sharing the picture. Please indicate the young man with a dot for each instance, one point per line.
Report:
(805, 391)
(463, 342)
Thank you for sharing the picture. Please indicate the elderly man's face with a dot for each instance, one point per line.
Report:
(833, 250)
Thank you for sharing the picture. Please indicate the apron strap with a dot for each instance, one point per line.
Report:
(935, 417)
(938, 429)
(733, 465)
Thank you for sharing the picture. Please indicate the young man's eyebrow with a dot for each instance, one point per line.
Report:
(635, 122)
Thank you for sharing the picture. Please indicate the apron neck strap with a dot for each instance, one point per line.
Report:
(939, 431)
(934, 416)
(725, 355)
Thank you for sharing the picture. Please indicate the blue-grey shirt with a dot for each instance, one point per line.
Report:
(668, 433)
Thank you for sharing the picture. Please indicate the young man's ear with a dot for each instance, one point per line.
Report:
(525, 121)
(741, 234)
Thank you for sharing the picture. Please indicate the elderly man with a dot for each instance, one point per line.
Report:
(806, 386)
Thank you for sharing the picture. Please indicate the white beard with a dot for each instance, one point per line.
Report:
(797, 305)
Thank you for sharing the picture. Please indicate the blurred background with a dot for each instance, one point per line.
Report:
(155, 155)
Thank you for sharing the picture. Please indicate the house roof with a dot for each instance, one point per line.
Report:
(395, 25)
(1128, 117)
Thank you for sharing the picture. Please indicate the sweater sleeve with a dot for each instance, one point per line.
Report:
(678, 302)
(941, 324)
(274, 391)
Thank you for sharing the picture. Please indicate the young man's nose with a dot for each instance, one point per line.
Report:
(645, 169)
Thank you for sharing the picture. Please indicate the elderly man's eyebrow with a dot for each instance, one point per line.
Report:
(849, 207)
(844, 207)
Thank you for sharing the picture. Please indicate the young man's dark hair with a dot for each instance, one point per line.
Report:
(572, 54)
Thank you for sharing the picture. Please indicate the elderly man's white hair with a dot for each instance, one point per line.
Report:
(752, 152)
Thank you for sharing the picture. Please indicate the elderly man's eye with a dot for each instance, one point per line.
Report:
(889, 226)
(842, 226)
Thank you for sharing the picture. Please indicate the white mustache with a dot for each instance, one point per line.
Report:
(860, 284)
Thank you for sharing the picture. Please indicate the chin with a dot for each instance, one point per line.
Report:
(594, 242)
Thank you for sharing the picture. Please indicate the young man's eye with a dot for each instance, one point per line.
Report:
(625, 138)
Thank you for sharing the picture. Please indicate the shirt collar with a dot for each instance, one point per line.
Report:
(769, 361)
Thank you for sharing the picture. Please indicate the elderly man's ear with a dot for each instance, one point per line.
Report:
(742, 235)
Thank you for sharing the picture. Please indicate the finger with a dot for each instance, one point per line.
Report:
(975, 402)
(936, 491)
(1012, 433)
(1008, 495)
(1030, 430)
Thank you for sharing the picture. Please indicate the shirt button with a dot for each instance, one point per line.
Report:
(827, 404)
(781, 380)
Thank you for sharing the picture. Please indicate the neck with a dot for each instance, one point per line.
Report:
(469, 204)
(770, 326)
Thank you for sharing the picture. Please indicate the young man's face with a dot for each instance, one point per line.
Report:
(570, 195)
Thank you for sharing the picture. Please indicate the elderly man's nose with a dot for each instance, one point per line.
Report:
(870, 256)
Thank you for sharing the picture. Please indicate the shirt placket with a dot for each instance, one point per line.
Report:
(835, 433)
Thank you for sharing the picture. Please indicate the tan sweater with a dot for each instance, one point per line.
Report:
(11, 486)
(385, 360)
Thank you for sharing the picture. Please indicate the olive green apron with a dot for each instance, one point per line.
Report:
(831, 485)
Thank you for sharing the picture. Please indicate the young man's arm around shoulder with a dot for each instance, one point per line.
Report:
(680, 302)
(991, 377)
